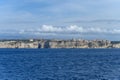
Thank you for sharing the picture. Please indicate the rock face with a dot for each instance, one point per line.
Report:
(79, 44)
(15, 44)
(58, 44)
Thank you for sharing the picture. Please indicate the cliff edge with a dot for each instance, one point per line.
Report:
(58, 44)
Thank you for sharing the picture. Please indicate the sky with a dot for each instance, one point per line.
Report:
(63, 19)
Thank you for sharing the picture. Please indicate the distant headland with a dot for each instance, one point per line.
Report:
(55, 43)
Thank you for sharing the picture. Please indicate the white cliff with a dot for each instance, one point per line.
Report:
(58, 44)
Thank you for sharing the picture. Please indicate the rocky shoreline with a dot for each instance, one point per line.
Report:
(54, 43)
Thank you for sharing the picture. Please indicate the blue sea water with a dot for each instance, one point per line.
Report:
(59, 64)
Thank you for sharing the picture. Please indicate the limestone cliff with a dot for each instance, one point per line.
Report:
(58, 44)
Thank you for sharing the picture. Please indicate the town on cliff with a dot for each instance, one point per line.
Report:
(55, 43)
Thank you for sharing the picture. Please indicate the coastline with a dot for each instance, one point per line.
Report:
(55, 43)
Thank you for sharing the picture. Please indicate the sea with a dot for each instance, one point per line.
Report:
(59, 64)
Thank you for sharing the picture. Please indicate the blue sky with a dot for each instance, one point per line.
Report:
(42, 18)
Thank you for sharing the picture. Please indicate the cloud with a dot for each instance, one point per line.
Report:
(73, 29)
(66, 32)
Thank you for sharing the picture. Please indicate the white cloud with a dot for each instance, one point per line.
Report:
(52, 29)
(68, 32)
(73, 29)
(49, 28)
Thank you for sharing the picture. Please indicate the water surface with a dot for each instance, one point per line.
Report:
(59, 64)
